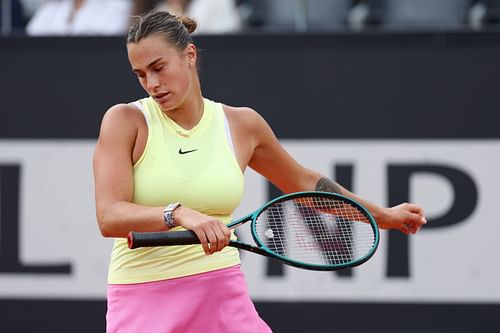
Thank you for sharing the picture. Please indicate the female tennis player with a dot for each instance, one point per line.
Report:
(176, 160)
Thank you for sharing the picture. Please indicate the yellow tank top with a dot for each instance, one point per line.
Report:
(197, 168)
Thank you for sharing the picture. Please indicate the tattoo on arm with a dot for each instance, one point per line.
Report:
(327, 185)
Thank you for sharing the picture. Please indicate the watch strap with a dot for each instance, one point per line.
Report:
(168, 214)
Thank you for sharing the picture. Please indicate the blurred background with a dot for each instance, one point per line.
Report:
(397, 100)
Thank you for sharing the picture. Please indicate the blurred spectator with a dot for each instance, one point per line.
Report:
(212, 16)
(30, 6)
(425, 14)
(80, 17)
(295, 15)
(12, 18)
(484, 13)
(365, 13)
(252, 12)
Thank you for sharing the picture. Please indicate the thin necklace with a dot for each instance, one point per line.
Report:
(179, 130)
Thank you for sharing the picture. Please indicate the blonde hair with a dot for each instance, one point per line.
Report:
(176, 29)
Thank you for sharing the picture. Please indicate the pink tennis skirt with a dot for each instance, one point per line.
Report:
(216, 301)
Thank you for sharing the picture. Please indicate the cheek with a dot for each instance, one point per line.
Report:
(183, 79)
(143, 83)
(187, 80)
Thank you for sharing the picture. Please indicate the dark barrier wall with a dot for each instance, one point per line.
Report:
(421, 86)
(335, 86)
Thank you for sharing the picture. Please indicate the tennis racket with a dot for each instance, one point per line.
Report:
(310, 230)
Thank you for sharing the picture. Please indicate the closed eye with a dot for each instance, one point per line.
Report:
(158, 68)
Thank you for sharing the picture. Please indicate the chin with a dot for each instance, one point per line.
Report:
(166, 105)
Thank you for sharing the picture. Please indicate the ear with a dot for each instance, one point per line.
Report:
(191, 54)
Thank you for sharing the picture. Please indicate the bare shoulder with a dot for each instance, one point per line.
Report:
(122, 113)
(123, 118)
(244, 118)
(239, 112)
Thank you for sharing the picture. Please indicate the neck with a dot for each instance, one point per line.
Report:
(189, 114)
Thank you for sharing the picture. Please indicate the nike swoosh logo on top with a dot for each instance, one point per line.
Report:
(186, 151)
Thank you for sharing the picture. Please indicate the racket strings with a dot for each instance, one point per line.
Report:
(316, 230)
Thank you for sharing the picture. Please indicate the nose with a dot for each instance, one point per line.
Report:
(152, 82)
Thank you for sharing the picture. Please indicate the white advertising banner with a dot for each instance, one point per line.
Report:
(52, 247)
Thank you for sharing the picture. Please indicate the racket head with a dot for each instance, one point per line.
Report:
(316, 230)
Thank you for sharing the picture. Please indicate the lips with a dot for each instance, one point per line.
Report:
(161, 96)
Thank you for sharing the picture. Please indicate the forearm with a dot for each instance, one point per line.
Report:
(119, 218)
(325, 184)
(408, 218)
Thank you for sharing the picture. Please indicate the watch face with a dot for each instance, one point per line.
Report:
(168, 214)
(173, 206)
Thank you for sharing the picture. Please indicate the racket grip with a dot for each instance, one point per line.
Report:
(161, 238)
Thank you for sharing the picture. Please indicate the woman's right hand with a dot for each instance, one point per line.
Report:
(214, 235)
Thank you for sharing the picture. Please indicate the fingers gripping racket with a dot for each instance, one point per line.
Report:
(310, 230)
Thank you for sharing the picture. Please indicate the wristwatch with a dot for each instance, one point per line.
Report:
(168, 214)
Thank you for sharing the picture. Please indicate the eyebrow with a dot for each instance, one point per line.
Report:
(151, 64)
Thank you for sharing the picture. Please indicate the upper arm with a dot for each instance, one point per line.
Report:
(113, 165)
(270, 159)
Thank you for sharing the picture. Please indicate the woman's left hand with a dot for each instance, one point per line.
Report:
(406, 217)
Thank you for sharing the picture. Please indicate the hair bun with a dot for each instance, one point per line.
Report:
(188, 22)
